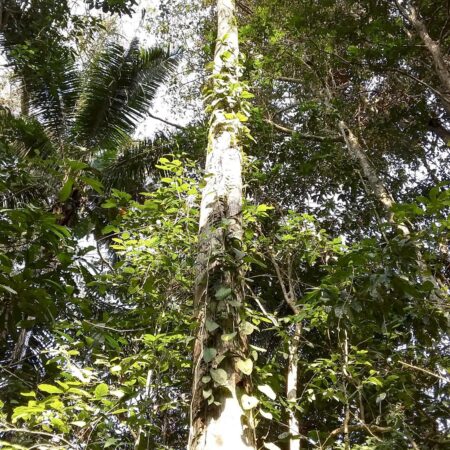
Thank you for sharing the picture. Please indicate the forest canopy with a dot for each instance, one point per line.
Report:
(224, 224)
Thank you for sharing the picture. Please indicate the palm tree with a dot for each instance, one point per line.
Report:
(86, 116)
(57, 156)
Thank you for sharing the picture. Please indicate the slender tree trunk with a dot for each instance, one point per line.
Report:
(221, 408)
(292, 381)
(293, 353)
(378, 188)
(382, 194)
(433, 47)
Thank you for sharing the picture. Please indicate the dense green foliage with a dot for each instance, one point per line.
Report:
(98, 230)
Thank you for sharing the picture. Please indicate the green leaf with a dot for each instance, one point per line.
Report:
(228, 337)
(120, 411)
(78, 391)
(209, 354)
(207, 393)
(49, 389)
(246, 94)
(271, 446)
(219, 376)
(223, 292)
(110, 442)
(211, 325)
(110, 203)
(66, 190)
(79, 423)
(241, 117)
(268, 391)
(245, 366)
(59, 424)
(101, 390)
(95, 184)
(29, 394)
(374, 380)
(77, 165)
(266, 415)
(8, 289)
(246, 328)
(248, 402)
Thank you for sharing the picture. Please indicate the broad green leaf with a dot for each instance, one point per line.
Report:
(223, 292)
(219, 376)
(245, 366)
(249, 402)
(374, 380)
(266, 415)
(66, 190)
(110, 442)
(28, 394)
(271, 446)
(8, 289)
(267, 390)
(207, 393)
(50, 389)
(211, 325)
(78, 391)
(79, 423)
(120, 411)
(101, 390)
(246, 328)
(95, 184)
(228, 337)
(59, 424)
(209, 354)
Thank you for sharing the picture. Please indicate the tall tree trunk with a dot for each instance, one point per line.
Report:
(221, 406)
(378, 188)
(293, 352)
(433, 47)
(292, 382)
(382, 194)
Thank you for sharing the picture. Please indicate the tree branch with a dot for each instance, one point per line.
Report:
(305, 136)
(180, 127)
(428, 372)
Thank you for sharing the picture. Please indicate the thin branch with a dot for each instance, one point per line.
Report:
(5, 428)
(420, 369)
(290, 80)
(305, 136)
(363, 427)
(180, 127)
(289, 300)
(117, 330)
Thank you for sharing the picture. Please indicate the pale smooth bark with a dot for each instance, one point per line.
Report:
(293, 354)
(223, 424)
(292, 382)
(381, 193)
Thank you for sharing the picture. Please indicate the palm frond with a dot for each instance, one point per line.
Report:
(25, 136)
(52, 95)
(43, 66)
(26, 152)
(119, 89)
(130, 169)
